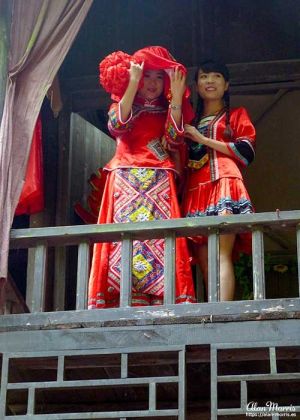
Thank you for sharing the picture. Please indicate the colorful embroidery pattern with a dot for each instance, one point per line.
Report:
(141, 194)
(225, 206)
(172, 133)
(115, 122)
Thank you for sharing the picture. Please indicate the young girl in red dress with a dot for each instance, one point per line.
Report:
(222, 144)
(140, 183)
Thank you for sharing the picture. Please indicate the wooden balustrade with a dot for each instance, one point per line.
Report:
(84, 236)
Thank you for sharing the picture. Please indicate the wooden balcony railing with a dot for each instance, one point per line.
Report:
(49, 356)
(83, 236)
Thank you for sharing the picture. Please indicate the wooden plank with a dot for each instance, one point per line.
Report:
(259, 377)
(4, 380)
(124, 365)
(259, 289)
(94, 382)
(98, 415)
(31, 401)
(39, 279)
(213, 268)
(245, 78)
(269, 105)
(126, 271)
(62, 204)
(169, 269)
(46, 343)
(182, 387)
(196, 355)
(213, 383)
(244, 395)
(152, 396)
(62, 235)
(83, 268)
(240, 73)
(273, 362)
(206, 313)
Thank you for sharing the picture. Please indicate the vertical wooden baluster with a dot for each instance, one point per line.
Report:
(258, 265)
(169, 269)
(82, 275)
(126, 271)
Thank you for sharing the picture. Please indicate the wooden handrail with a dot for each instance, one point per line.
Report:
(73, 235)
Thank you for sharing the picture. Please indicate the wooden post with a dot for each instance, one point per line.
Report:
(213, 267)
(258, 265)
(169, 275)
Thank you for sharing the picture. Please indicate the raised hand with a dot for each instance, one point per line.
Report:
(177, 86)
(136, 71)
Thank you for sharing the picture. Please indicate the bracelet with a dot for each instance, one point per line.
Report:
(175, 106)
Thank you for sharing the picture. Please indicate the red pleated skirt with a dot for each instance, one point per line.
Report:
(224, 197)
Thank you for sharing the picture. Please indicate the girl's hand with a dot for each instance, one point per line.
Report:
(191, 132)
(167, 146)
(177, 86)
(136, 71)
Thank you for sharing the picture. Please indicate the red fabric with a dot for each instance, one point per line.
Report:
(224, 165)
(90, 214)
(138, 146)
(202, 198)
(32, 197)
(99, 290)
(114, 75)
(220, 180)
(133, 142)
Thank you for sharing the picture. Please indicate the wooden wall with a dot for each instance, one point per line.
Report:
(235, 31)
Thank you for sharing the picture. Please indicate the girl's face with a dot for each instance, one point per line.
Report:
(153, 84)
(211, 85)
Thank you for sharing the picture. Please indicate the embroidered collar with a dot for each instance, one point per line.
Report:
(154, 103)
(215, 114)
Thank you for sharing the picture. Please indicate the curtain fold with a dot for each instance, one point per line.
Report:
(42, 32)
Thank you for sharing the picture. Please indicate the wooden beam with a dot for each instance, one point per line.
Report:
(269, 105)
(246, 78)
(198, 313)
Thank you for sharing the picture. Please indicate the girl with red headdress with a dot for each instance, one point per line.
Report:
(140, 184)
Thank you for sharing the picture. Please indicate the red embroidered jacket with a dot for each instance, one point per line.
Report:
(241, 146)
(139, 138)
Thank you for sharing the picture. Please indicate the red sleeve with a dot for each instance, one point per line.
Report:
(173, 133)
(115, 123)
(242, 147)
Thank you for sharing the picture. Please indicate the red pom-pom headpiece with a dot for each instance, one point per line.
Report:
(114, 74)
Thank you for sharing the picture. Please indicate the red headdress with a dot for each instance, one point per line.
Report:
(114, 75)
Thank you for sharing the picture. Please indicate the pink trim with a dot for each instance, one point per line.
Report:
(180, 131)
(120, 115)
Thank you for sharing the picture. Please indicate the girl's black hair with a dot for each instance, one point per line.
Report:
(216, 67)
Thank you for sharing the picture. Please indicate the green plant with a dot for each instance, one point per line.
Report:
(243, 273)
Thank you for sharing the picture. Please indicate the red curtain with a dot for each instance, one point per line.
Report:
(32, 197)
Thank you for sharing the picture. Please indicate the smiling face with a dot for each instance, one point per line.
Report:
(153, 84)
(211, 86)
